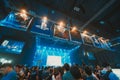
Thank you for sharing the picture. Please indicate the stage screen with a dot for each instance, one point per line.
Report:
(75, 36)
(87, 39)
(41, 26)
(61, 32)
(96, 42)
(54, 61)
(17, 20)
(12, 46)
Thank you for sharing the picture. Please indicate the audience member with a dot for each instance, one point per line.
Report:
(9, 73)
(107, 73)
(67, 75)
(88, 71)
(75, 72)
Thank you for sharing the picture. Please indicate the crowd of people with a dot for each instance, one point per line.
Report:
(66, 72)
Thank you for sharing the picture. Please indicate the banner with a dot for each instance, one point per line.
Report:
(41, 26)
(61, 31)
(17, 20)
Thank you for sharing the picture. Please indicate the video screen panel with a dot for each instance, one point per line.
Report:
(96, 42)
(105, 43)
(12, 46)
(76, 36)
(61, 32)
(41, 26)
(87, 39)
(17, 20)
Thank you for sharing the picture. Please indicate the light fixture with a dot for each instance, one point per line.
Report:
(23, 14)
(85, 32)
(44, 19)
(23, 11)
(61, 24)
(93, 35)
(73, 29)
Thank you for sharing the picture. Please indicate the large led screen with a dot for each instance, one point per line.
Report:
(76, 36)
(61, 31)
(41, 26)
(17, 20)
(12, 46)
(54, 61)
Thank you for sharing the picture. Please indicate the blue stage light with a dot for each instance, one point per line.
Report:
(42, 53)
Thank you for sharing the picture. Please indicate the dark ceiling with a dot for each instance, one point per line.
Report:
(100, 17)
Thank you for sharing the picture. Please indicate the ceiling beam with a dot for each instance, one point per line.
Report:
(98, 14)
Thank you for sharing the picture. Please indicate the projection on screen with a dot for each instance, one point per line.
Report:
(12, 46)
(17, 20)
(54, 61)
